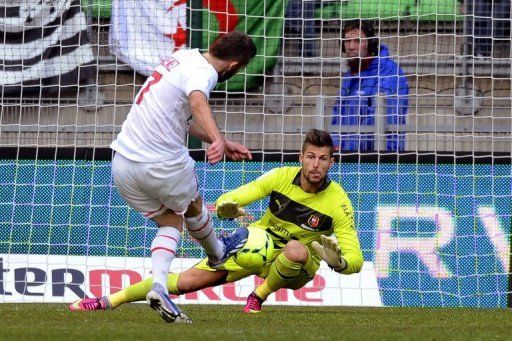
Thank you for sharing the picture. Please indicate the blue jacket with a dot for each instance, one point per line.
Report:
(356, 104)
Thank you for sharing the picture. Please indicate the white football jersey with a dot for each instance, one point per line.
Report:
(160, 116)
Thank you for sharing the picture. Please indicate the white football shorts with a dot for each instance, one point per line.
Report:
(152, 187)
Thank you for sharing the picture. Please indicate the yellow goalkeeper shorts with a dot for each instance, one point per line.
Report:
(236, 272)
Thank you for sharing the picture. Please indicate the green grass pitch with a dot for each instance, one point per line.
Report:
(216, 322)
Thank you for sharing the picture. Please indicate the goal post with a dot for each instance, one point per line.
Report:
(433, 218)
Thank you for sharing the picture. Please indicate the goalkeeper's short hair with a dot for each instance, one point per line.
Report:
(318, 138)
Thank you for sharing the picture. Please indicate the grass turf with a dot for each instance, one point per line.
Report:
(136, 321)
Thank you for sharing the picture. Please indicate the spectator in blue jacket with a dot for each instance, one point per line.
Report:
(371, 72)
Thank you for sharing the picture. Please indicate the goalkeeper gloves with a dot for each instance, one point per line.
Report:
(330, 252)
(229, 210)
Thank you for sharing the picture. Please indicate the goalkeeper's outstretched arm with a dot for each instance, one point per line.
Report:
(350, 252)
(342, 252)
(330, 252)
(233, 201)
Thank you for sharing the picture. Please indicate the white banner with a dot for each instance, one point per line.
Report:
(43, 278)
(144, 32)
(43, 39)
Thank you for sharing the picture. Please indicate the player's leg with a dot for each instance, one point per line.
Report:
(285, 268)
(140, 185)
(134, 293)
(135, 187)
(293, 265)
(190, 280)
(144, 186)
(175, 185)
(164, 245)
(145, 290)
(163, 250)
(180, 194)
(196, 278)
(200, 226)
(307, 273)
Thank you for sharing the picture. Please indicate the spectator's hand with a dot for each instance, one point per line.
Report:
(215, 151)
(229, 210)
(330, 252)
(236, 151)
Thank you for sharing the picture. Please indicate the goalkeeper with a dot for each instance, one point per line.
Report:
(305, 209)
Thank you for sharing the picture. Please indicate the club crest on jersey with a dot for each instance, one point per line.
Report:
(313, 221)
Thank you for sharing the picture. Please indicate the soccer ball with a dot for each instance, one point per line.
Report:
(257, 251)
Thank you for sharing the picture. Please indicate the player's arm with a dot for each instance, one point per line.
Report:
(348, 241)
(196, 131)
(234, 150)
(342, 251)
(208, 130)
(246, 194)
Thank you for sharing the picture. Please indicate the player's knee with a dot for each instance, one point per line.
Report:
(296, 252)
(169, 218)
(195, 208)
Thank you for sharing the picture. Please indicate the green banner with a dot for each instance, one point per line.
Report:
(391, 10)
(98, 8)
(262, 20)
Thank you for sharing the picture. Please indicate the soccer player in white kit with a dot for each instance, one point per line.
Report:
(152, 168)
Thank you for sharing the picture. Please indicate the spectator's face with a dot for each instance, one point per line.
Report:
(356, 44)
(315, 161)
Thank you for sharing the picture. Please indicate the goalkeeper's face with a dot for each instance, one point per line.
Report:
(315, 162)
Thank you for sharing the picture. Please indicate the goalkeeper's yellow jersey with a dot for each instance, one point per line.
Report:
(293, 214)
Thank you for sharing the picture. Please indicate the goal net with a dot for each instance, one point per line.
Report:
(423, 143)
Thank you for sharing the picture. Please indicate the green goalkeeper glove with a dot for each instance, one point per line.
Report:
(229, 210)
(330, 252)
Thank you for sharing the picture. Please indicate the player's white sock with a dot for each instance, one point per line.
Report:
(163, 250)
(201, 229)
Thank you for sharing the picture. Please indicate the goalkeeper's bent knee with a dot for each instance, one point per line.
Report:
(282, 271)
(296, 252)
